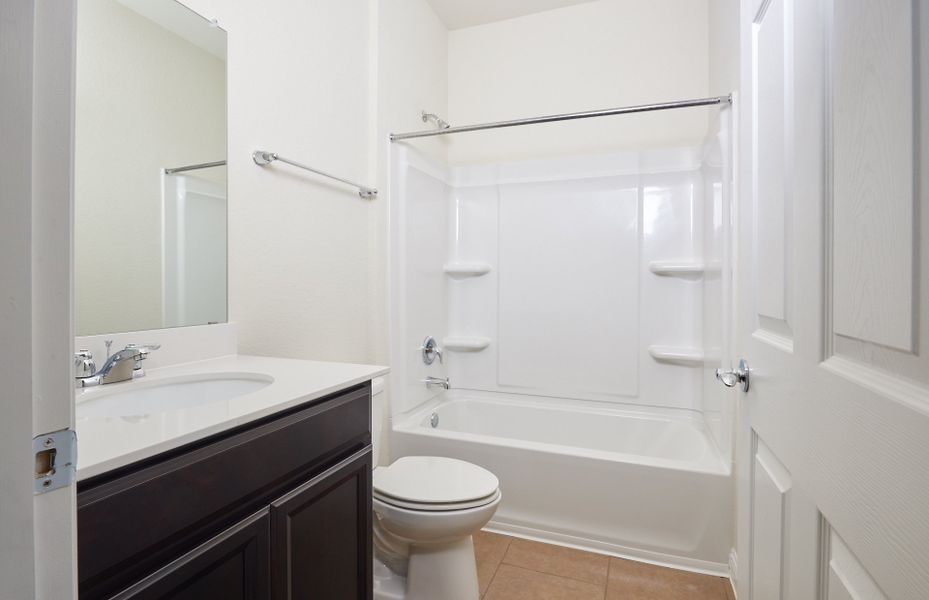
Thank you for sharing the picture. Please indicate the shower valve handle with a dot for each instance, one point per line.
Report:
(431, 350)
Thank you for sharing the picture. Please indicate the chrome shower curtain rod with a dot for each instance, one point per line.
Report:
(218, 163)
(395, 137)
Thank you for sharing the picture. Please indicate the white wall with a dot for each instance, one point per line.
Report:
(723, 41)
(322, 82)
(412, 59)
(146, 99)
(594, 55)
(299, 252)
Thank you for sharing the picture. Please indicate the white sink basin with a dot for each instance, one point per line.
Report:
(162, 395)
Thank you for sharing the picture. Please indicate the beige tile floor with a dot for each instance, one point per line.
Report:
(515, 569)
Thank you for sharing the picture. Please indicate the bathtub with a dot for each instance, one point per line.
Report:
(643, 485)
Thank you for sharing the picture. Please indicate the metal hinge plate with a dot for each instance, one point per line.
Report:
(55, 460)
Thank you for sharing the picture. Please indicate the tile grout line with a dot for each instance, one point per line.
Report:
(550, 574)
(503, 561)
(497, 568)
(606, 588)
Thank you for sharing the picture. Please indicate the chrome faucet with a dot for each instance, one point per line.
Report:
(121, 366)
(431, 381)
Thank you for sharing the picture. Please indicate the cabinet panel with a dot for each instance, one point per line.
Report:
(321, 535)
(137, 521)
(232, 566)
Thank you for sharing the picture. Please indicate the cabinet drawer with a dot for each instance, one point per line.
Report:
(136, 523)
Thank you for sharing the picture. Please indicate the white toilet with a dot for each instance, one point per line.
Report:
(425, 510)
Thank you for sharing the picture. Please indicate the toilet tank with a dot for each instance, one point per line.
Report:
(378, 417)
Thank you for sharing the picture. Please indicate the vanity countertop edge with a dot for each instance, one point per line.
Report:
(106, 443)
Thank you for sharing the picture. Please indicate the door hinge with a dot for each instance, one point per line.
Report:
(55, 460)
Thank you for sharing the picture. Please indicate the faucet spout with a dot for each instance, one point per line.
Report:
(431, 381)
(120, 366)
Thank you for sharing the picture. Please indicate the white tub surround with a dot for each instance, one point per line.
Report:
(584, 280)
(647, 485)
(276, 384)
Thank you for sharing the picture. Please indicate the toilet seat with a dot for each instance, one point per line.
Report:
(426, 506)
(433, 483)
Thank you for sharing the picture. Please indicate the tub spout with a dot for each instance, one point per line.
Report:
(431, 381)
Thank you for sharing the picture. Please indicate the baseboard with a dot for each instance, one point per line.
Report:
(733, 570)
(570, 541)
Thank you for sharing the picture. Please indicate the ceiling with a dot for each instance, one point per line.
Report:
(457, 14)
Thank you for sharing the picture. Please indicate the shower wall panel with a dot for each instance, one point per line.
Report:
(569, 307)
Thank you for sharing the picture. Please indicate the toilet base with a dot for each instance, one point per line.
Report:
(447, 571)
(387, 584)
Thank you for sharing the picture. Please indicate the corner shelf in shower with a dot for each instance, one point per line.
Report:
(465, 343)
(462, 270)
(678, 355)
(677, 268)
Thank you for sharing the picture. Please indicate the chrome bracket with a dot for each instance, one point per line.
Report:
(55, 460)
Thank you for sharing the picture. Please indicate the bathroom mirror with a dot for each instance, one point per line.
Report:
(149, 172)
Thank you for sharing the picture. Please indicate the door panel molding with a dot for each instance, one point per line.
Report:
(872, 56)
(771, 485)
(843, 576)
(772, 95)
(877, 202)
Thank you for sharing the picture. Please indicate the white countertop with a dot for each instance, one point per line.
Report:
(109, 442)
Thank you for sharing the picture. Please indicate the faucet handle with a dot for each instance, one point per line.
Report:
(143, 349)
(84, 365)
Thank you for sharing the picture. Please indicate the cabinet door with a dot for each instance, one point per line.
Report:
(234, 565)
(321, 536)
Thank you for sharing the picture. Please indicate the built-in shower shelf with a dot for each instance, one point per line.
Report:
(678, 268)
(462, 270)
(679, 355)
(465, 343)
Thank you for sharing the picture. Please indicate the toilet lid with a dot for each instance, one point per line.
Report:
(434, 480)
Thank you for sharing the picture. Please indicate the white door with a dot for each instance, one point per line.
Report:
(833, 288)
(37, 531)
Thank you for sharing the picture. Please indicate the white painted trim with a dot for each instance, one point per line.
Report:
(733, 569)
(17, 564)
(908, 393)
(46, 328)
(579, 543)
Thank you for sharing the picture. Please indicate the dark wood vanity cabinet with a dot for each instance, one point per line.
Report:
(321, 536)
(234, 565)
(277, 509)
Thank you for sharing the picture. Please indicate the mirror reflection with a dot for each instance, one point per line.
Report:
(150, 175)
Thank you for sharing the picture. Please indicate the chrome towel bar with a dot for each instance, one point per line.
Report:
(264, 158)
